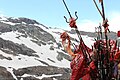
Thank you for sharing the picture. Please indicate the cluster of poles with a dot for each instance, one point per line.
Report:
(106, 52)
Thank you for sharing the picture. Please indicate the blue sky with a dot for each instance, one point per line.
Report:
(51, 12)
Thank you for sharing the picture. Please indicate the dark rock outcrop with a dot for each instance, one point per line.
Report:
(47, 70)
(15, 49)
(4, 27)
(5, 75)
(3, 57)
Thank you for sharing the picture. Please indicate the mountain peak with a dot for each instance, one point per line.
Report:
(22, 20)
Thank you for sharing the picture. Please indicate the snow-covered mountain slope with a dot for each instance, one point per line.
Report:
(44, 53)
(29, 50)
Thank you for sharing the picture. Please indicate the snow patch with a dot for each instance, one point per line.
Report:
(43, 76)
(2, 18)
(10, 23)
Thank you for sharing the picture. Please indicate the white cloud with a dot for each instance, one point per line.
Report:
(87, 25)
(113, 21)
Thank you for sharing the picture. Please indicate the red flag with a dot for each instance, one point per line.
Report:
(79, 66)
(79, 69)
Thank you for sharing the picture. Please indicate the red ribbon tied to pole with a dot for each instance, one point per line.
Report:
(72, 23)
(100, 1)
